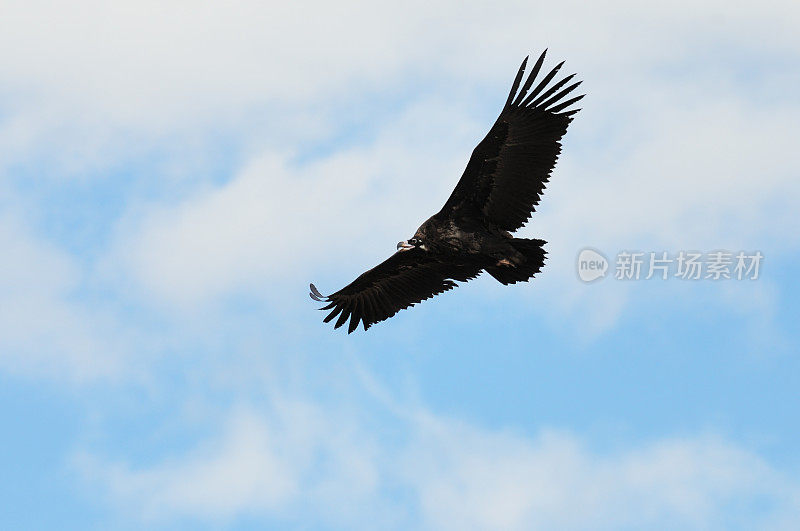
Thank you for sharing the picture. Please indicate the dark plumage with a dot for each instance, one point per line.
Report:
(496, 195)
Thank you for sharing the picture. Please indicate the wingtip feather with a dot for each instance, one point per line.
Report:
(561, 106)
(542, 84)
(315, 291)
(333, 314)
(515, 85)
(531, 78)
(342, 318)
(353, 324)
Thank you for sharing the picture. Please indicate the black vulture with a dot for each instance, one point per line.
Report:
(496, 195)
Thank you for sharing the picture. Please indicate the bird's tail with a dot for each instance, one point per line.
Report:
(532, 262)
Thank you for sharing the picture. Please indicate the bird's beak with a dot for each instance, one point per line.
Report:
(404, 246)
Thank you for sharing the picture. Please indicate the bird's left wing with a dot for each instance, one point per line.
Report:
(508, 170)
(402, 280)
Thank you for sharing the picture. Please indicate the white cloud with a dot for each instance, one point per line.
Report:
(97, 80)
(457, 476)
(274, 217)
(704, 176)
(239, 473)
(125, 57)
(684, 186)
(469, 479)
(674, 130)
(707, 173)
(294, 457)
(43, 329)
(672, 148)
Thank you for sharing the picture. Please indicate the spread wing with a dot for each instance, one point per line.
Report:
(508, 170)
(402, 280)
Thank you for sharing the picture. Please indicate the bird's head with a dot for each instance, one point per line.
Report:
(411, 243)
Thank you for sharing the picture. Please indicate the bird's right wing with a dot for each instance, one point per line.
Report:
(509, 169)
(402, 280)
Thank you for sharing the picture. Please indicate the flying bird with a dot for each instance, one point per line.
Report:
(496, 195)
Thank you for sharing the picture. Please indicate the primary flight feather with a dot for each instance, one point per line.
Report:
(496, 195)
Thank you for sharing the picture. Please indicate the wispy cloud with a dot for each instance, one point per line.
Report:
(312, 462)
(44, 331)
(341, 128)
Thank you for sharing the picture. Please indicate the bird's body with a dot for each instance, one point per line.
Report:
(467, 240)
(496, 195)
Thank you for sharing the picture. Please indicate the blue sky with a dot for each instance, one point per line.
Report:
(172, 177)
